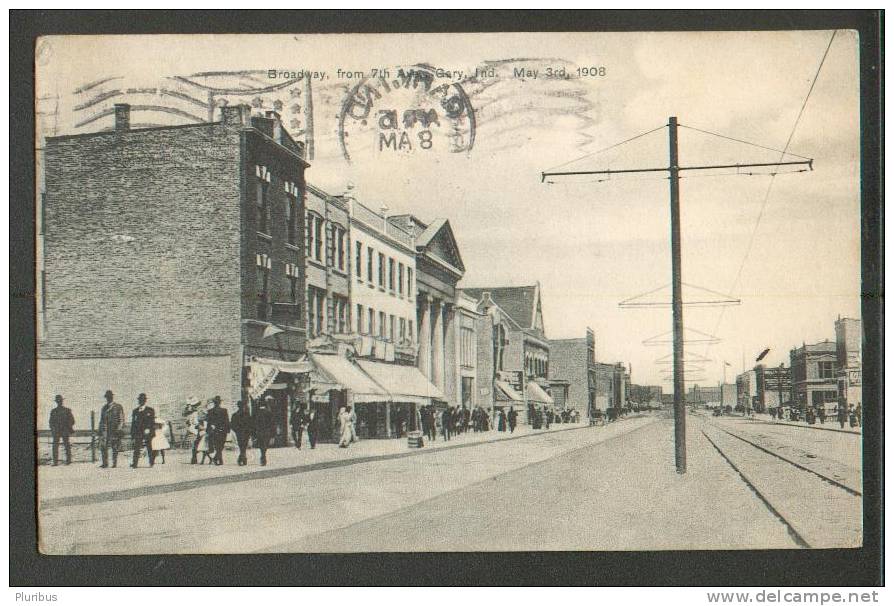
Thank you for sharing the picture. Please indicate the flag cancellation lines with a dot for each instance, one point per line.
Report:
(697, 296)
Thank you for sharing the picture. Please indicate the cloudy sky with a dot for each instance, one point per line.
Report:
(590, 243)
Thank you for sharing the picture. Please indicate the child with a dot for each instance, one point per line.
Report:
(202, 443)
(159, 440)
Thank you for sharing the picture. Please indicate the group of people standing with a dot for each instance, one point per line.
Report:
(146, 431)
(852, 415)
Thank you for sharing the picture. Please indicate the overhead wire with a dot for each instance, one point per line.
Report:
(605, 149)
(772, 181)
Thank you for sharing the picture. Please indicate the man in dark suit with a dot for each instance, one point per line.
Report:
(218, 423)
(142, 424)
(111, 422)
(61, 427)
(263, 421)
(298, 422)
(313, 426)
(243, 426)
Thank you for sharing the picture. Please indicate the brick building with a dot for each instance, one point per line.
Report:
(523, 347)
(574, 361)
(171, 257)
(814, 372)
(849, 359)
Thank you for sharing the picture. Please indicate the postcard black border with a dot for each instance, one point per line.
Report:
(845, 567)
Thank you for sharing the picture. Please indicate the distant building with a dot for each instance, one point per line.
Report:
(746, 391)
(526, 349)
(772, 387)
(572, 369)
(814, 371)
(849, 358)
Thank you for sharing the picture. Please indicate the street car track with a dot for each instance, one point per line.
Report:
(796, 536)
(817, 510)
(825, 478)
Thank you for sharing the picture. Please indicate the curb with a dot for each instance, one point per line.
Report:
(142, 491)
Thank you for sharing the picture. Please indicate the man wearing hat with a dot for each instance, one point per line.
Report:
(111, 422)
(243, 426)
(142, 425)
(263, 422)
(61, 426)
(218, 423)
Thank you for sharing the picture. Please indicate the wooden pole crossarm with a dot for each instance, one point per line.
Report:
(544, 175)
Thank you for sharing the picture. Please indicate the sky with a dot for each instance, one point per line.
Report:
(787, 247)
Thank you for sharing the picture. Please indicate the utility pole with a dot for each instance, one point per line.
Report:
(673, 170)
(677, 300)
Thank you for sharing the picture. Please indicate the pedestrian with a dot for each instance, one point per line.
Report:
(61, 427)
(501, 421)
(218, 429)
(202, 444)
(313, 427)
(297, 422)
(822, 414)
(548, 417)
(852, 416)
(242, 425)
(263, 426)
(142, 427)
(344, 420)
(512, 419)
(447, 422)
(842, 416)
(159, 442)
(438, 419)
(859, 412)
(111, 424)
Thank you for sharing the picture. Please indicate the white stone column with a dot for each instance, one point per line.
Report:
(438, 345)
(424, 359)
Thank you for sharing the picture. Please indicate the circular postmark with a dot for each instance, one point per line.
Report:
(406, 110)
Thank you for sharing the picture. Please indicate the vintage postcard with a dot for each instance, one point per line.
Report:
(449, 292)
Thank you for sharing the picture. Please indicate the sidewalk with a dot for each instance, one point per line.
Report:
(829, 426)
(65, 485)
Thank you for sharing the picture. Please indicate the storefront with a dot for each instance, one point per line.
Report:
(409, 390)
(282, 382)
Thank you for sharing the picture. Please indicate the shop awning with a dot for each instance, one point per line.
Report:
(505, 391)
(536, 394)
(298, 367)
(337, 371)
(405, 383)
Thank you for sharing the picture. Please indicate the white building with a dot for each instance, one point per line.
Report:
(383, 292)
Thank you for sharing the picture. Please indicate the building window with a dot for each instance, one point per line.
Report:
(391, 333)
(370, 321)
(318, 238)
(311, 311)
(262, 275)
(293, 289)
(369, 264)
(391, 274)
(358, 259)
(340, 247)
(826, 370)
(400, 279)
(292, 219)
(382, 326)
(359, 318)
(263, 210)
(403, 329)
(410, 290)
(381, 270)
(411, 335)
(466, 347)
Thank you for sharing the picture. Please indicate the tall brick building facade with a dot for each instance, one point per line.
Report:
(168, 254)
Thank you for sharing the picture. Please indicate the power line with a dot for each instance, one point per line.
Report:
(708, 132)
(605, 149)
(773, 180)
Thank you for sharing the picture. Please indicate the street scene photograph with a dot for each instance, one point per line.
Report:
(430, 292)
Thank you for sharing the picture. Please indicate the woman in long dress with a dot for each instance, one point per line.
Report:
(501, 421)
(346, 427)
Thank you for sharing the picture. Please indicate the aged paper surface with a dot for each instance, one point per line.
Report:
(328, 293)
